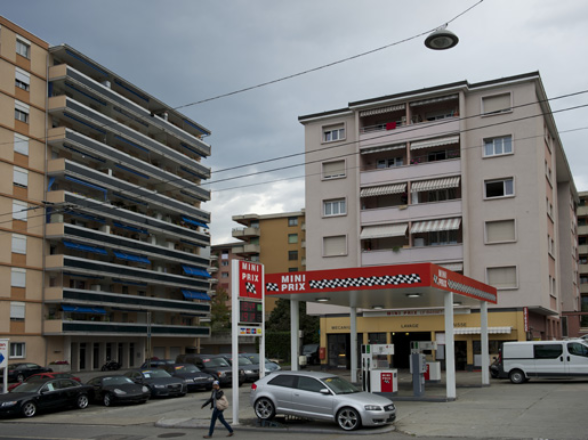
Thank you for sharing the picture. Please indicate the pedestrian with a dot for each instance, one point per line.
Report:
(218, 403)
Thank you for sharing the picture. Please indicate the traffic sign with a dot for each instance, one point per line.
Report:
(3, 352)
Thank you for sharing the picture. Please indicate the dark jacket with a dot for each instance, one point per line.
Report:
(213, 398)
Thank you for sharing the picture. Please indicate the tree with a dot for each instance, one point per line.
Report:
(220, 312)
(279, 321)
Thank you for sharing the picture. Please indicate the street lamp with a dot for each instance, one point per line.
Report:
(441, 39)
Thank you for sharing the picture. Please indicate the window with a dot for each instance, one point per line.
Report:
(22, 79)
(502, 277)
(334, 246)
(21, 177)
(502, 231)
(21, 111)
(334, 134)
(17, 350)
(292, 255)
(547, 351)
(18, 277)
(334, 170)
(19, 244)
(283, 380)
(496, 104)
(23, 47)
(17, 311)
(292, 238)
(21, 144)
(334, 207)
(292, 221)
(224, 263)
(390, 163)
(292, 269)
(224, 274)
(577, 349)
(499, 188)
(309, 384)
(19, 210)
(497, 146)
(438, 238)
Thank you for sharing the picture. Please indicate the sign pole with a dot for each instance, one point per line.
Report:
(4, 363)
(235, 338)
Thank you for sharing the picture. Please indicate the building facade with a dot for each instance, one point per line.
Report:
(107, 251)
(472, 177)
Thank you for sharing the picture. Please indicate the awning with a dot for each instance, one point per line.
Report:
(129, 257)
(455, 267)
(478, 330)
(383, 148)
(379, 111)
(195, 271)
(446, 224)
(191, 294)
(194, 222)
(382, 231)
(383, 190)
(437, 142)
(80, 309)
(434, 100)
(432, 185)
(131, 228)
(85, 248)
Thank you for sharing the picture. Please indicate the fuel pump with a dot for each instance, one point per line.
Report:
(419, 367)
(375, 375)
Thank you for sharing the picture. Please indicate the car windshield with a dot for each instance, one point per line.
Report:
(187, 369)
(216, 362)
(28, 387)
(340, 386)
(148, 374)
(253, 357)
(309, 348)
(116, 380)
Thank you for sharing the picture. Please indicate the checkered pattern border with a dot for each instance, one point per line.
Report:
(250, 288)
(470, 290)
(271, 287)
(386, 280)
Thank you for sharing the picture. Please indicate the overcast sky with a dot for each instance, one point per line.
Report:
(183, 51)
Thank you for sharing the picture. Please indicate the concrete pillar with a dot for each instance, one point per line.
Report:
(449, 347)
(294, 328)
(485, 343)
(353, 342)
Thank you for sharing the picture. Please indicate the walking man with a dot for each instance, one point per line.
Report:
(218, 403)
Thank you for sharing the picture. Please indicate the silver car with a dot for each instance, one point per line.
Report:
(320, 396)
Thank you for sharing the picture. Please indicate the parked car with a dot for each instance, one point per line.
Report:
(320, 396)
(159, 381)
(41, 376)
(195, 378)
(311, 351)
(18, 372)
(37, 395)
(270, 367)
(247, 369)
(117, 388)
(156, 363)
(213, 364)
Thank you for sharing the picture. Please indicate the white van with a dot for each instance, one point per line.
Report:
(522, 360)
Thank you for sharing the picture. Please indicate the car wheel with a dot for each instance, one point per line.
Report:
(265, 409)
(348, 419)
(516, 376)
(29, 409)
(82, 401)
(107, 399)
(20, 378)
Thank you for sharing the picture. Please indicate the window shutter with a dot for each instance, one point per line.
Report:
(499, 231)
(17, 310)
(335, 245)
(21, 144)
(334, 169)
(18, 277)
(502, 277)
(496, 104)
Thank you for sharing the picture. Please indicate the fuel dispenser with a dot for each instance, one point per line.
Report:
(375, 375)
(421, 369)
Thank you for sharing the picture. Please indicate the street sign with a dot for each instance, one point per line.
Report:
(250, 280)
(3, 352)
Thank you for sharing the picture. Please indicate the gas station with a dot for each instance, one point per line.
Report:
(398, 287)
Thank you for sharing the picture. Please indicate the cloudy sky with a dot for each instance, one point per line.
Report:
(184, 51)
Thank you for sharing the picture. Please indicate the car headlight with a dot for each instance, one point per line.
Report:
(159, 386)
(145, 389)
(221, 374)
(373, 408)
(8, 404)
(210, 379)
(119, 392)
(248, 371)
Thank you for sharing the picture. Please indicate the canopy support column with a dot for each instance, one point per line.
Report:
(294, 328)
(353, 342)
(484, 341)
(449, 347)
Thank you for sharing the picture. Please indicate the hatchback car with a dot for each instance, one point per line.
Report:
(37, 395)
(117, 388)
(320, 396)
(159, 381)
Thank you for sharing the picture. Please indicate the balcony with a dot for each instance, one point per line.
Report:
(583, 230)
(584, 288)
(247, 249)
(582, 211)
(129, 302)
(245, 232)
(55, 327)
(421, 171)
(431, 254)
(583, 249)
(446, 209)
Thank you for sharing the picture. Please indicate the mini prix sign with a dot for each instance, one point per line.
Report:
(250, 280)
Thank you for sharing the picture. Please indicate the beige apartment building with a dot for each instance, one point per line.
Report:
(104, 248)
(472, 177)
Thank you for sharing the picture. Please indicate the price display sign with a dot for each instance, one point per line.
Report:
(250, 312)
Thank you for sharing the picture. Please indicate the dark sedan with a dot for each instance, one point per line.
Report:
(39, 395)
(157, 363)
(247, 369)
(195, 378)
(18, 372)
(42, 376)
(159, 381)
(117, 388)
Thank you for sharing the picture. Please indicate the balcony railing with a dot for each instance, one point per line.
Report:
(245, 232)
(66, 327)
(434, 254)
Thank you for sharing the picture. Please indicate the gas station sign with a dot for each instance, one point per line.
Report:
(250, 280)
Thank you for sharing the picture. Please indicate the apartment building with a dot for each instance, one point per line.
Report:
(107, 251)
(472, 177)
(276, 240)
(221, 258)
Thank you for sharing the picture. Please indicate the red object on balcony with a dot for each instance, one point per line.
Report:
(391, 126)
